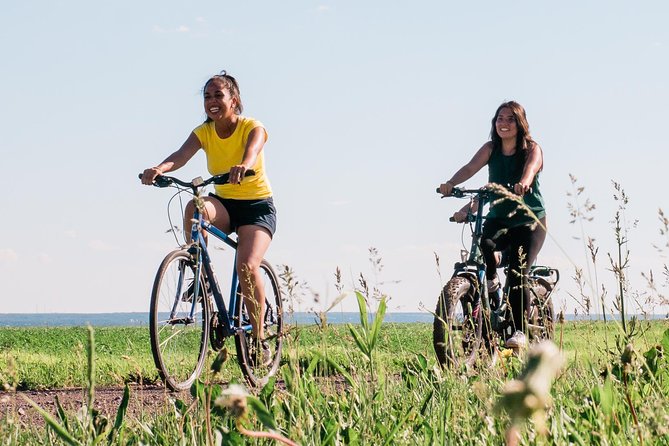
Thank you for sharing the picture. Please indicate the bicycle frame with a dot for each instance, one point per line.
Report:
(474, 268)
(225, 314)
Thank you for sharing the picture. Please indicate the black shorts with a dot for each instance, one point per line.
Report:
(250, 212)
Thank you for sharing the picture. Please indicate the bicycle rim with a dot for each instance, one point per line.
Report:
(541, 315)
(178, 340)
(456, 332)
(248, 348)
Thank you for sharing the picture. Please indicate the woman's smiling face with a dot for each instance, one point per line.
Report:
(218, 102)
(505, 124)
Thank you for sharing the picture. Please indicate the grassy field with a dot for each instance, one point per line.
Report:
(336, 394)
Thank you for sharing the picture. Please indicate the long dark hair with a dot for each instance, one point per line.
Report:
(523, 138)
(230, 84)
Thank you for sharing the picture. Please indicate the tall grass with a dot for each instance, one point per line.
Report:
(328, 396)
(376, 383)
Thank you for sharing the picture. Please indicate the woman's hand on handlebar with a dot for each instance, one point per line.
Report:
(521, 188)
(149, 175)
(446, 188)
(237, 174)
(460, 216)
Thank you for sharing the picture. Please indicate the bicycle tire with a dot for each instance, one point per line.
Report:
(541, 317)
(178, 343)
(257, 375)
(456, 331)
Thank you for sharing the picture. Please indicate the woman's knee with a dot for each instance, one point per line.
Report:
(488, 245)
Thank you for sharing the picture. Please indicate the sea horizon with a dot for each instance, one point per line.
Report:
(300, 318)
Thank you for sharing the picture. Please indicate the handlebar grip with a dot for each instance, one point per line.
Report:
(451, 219)
(438, 191)
(159, 181)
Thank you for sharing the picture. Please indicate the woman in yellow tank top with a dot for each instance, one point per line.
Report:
(233, 143)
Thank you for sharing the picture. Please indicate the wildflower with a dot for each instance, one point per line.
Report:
(234, 400)
(628, 355)
(528, 396)
(506, 353)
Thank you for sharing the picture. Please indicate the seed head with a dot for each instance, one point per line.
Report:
(529, 395)
(233, 399)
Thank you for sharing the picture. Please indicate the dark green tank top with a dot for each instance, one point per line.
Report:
(507, 170)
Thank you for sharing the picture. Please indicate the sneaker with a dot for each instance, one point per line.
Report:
(261, 357)
(493, 284)
(517, 342)
(265, 354)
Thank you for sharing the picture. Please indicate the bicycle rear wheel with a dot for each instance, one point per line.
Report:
(178, 321)
(456, 332)
(249, 350)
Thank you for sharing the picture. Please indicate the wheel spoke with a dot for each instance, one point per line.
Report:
(178, 340)
(251, 352)
(457, 325)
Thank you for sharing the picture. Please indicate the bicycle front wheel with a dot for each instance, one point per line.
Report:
(256, 367)
(541, 317)
(178, 321)
(456, 331)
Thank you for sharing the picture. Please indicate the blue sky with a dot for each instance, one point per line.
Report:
(369, 106)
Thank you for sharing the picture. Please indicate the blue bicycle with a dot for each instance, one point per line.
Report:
(188, 311)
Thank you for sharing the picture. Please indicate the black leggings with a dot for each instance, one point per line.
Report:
(497, 237)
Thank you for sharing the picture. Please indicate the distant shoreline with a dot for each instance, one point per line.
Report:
(134, 319)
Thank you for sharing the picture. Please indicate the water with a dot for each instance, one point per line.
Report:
(142, 319)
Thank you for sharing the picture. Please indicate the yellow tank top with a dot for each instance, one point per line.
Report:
(223, 153)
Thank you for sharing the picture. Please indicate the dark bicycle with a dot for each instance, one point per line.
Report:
(188, 311)
(467, 319)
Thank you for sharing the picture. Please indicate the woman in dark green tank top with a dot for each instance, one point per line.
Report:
(514, 159)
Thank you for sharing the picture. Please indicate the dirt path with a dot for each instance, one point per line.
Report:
(144, 399)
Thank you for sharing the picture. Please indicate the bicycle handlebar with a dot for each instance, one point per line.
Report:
(483, 193)
(460, 193)
(166, 181)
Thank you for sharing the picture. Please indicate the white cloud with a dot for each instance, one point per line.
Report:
(183, 29)
(99, 245)
(200, 19)
(323, 8)
(8, 255)
(71, 233)
(157, 29)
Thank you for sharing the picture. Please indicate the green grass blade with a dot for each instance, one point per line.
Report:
(331, 428)
(391, 435)
(425, 402)
(91, 370)
(264, 415)
(120, 414)
(267, 391)
(347, 376)
(53, 424)
(357, 337)
(61, 414)
(376, 325)
(665, 341)
(362, 307)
